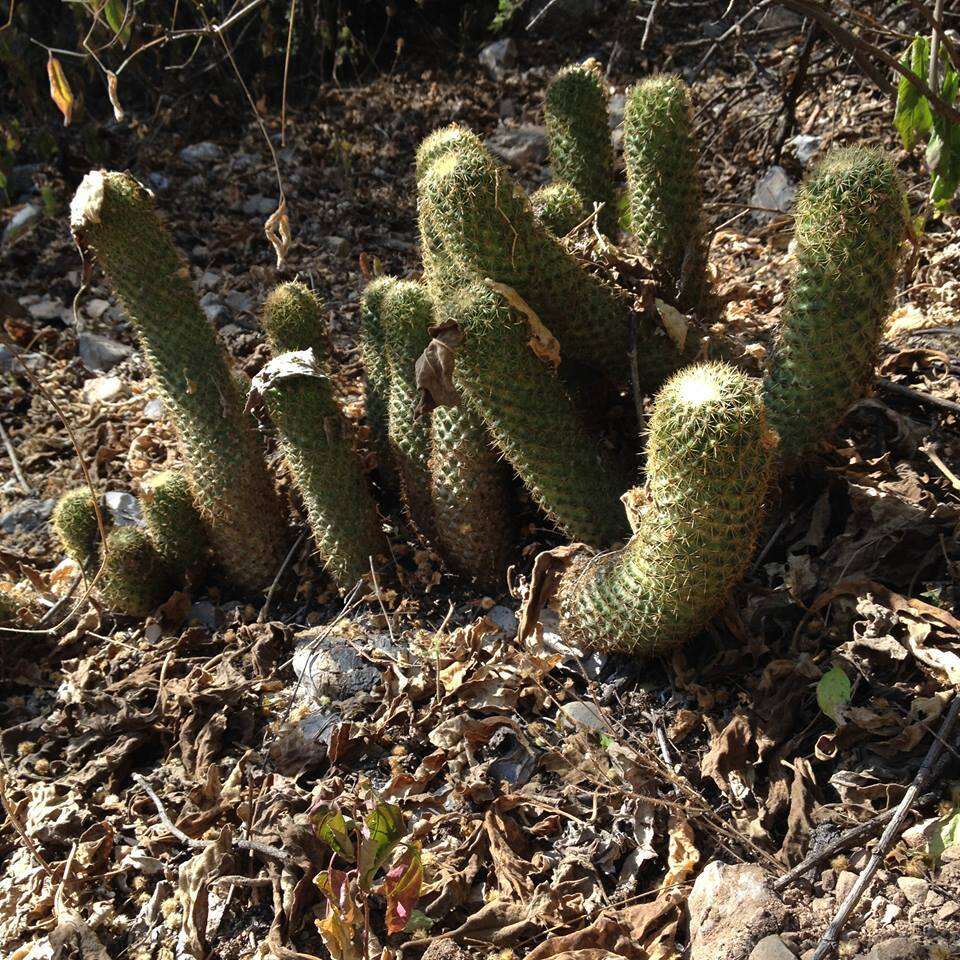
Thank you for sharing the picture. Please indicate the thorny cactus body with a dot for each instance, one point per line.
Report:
(708, 468)
(75, 523)
(317, 446)
(173, 521)
(581, 150)
(114, 216)
(377, 371)
(559, 207)
(135, 579)
(292, 321)
(666, 209)
(533, 420)
(851, 220)
(471, 497)
(407, 313)
(487, 228)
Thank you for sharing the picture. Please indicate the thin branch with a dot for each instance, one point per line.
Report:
(926, 398)
(12, 454)
(933, 78)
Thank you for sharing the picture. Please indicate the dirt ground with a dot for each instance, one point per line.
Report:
(564, 801)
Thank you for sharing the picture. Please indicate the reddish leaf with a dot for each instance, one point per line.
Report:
(402, 890)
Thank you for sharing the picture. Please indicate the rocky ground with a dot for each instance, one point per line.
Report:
(565, 802)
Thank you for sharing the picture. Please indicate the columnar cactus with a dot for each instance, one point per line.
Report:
(581, 151)
(666, 209)
(851, 221)
(75, 523)
(135, 580)
(316, 444)
(487, 228)
(471, 497)
(173, 521)
(292, 320)
(532, 419)
(708, 468)
(377, 387)
(114, 217)
(559, 207)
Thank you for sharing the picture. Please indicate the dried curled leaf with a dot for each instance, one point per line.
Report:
(277, 231)
(542, 342)
(60, 91)
(434, 368)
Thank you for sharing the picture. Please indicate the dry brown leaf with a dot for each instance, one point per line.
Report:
(542, 342)
(277, 231)
(60, 91)
(674, 322)
(192, 891)
(682, 855)
(114, 98)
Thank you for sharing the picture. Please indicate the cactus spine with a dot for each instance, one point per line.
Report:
(487, 228)
(173, 521)
(666, 209)
(315, 441)
(581, 151)
(533, 420)
(708, 468)
(559, 207)
(114, 216)
(292, 321)
(75, 523)
(135, 579)
(851, 221)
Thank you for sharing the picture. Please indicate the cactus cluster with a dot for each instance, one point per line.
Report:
(528, 334)
(581, 150)
(851, 222)
(113, 217)
(315, 438)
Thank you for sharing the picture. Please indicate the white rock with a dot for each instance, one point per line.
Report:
(913, 888)
(200, 153)
(499, 57)
(772, 948)
(96, 307)
(21, 222)
(212, 308)
(845, 882)
(504, 618)
(103, 389)
(775, 190)
(46, 309)
(805, 147)
(101, 353)
(154, 410)
(586, 715)
(124, 508)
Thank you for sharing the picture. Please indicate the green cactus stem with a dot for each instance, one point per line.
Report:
(75, 523)
(559, 207)
(487, 228)
(407, 313)
(135, 580)
(113, 216)
(318, 447)
(578, 131)
(663, 186)
(533, 420)
(471, 498)
(292, 320)
(851, 222)
(696, 526)
(377, 386)
(173, 521)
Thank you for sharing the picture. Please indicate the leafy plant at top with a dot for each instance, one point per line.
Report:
(366, 847)
(916, 121)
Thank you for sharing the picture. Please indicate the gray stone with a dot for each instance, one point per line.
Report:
(731, 908)
(259, 206)
(845, 882)
(154, 410)
(124, 508)
(159, 181)
(504, 618)
(772, 948)
(203, 613)
(805, 147)
(209, 280)
(508, 107)
(616, 109)
(332, 668)
(338, 246)
(775, 191)
(499, 58)
(200, 153)
(20, 179)
(24, 220)
(27, 515)
(585, 715)
(46, 309)
(101, 353)
(8, 363)
(213, 309)
(103, 389)
(913, 888)
(96, 307)
(520, 146)
(899, 948)
(239, 302)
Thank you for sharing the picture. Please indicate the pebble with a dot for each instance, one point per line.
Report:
(124, 508)
(46, 309)
(774, 190)
(913, 888)
(158, 181)
(96, 307)
(209, 280)
(27, 515)
(21, 222)
(103, 389)
(338, 246)
(585, 715)
(520, 146)
(154, 410)
(772, 948)
(805, 147)
(950, 909)
(258, 205)
(845, 881)
(101, 353)
(899, 948)
(239, 302)
(212, 308)
(198, 153)
(933, 900)
(32, 361)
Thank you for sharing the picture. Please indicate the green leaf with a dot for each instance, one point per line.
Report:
(115, 11)
(418, 921)
(382, 831)
(913, 117)
(334, 831)
(944, 833)
(833, 692)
